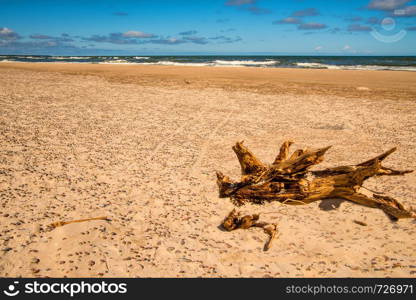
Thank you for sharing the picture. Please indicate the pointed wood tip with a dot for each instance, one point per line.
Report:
(392, 150)
(322, 151)
(387, 153)
(238, 145)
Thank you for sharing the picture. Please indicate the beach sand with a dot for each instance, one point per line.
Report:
(141, 144)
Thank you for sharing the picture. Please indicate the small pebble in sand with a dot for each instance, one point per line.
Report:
(35, 260)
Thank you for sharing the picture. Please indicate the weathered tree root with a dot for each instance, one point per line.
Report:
(62, 223)
(288, 180)
(233, 221)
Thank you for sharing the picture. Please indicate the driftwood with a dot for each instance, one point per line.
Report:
(289, 180)
(233, 221)
(63, 223)
(360, 223)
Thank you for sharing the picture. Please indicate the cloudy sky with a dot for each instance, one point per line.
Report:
(292, 27)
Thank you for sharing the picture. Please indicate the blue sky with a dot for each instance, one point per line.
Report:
(293, 27)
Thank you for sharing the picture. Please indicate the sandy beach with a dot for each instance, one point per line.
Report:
(140, 145)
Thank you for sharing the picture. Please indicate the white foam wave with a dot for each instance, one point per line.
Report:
(141, 57)
(380, 68)
(356, 67)
(69, 57)
(58, 57)
(216, 63)
(31, 57)
(245, 62)
(314, 65)
(116, 61)
(79, 57)
(172, 63)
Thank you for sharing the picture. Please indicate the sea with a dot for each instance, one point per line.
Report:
(397, 63)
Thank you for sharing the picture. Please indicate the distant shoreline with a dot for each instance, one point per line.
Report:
(212, 66)
(391, 63)
(216, 66)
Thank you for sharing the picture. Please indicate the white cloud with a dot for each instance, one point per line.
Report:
(311, 26)
(387, 4)
(309, 12)
(137, 34)
(289, 20)
(5, 30)
(318, 48)
(346, 47)
(408, 11)
(8, 34)
(239, 2)
(358, 27)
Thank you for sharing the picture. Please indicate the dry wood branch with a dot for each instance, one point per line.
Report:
(361, 223)
(234, 221)
(380, 158)
(347, 169)
(249, 163)
(283, 153)
(289, 181)
(62, 223)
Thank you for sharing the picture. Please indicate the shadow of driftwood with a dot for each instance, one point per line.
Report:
(221, 227)
(330, 204)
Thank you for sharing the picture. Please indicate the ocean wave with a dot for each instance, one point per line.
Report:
(79, 57)
(216, 63)
(59, 57)
(172, 63)
(411, 69)
(161, 63)
(380, 68)
(245, 62)
(31, 57)
(361, 63)
(117, 61)
(70, 57)
(355, 67)
(313, 65)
